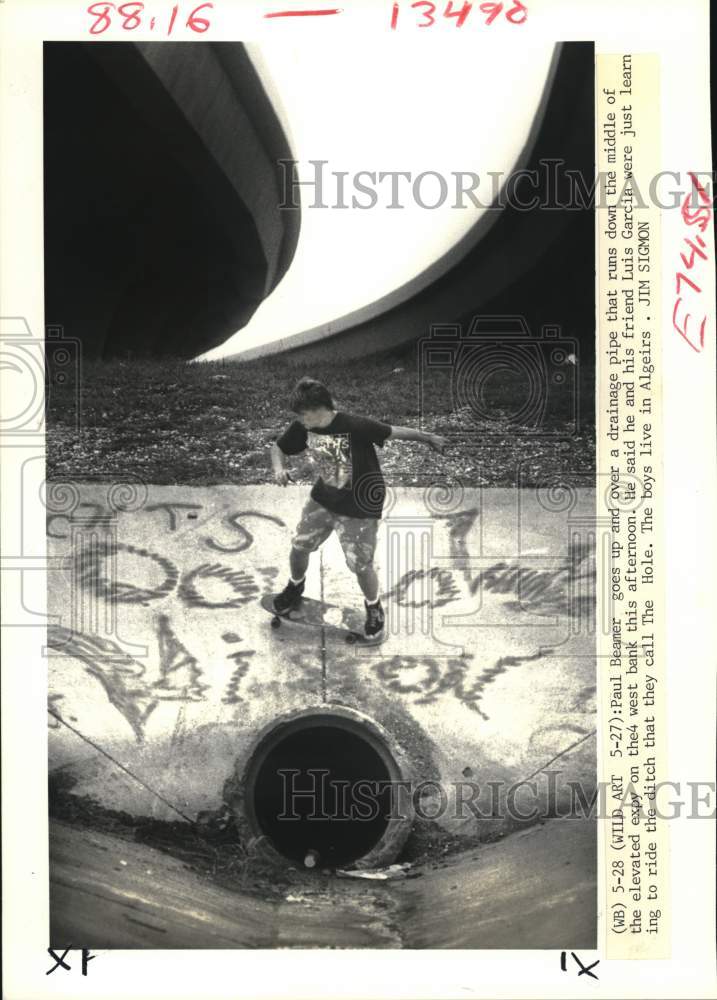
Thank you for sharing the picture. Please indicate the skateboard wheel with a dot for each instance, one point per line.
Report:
(351, 638)
(275, 622)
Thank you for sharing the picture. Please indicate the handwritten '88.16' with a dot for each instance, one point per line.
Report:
(514, 13)
(129, 16)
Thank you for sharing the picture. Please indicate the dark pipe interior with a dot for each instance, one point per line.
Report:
(341, 823)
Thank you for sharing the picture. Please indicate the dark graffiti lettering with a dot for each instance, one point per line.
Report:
(241, 658)
(459, 525)
(124, 679)
(246, 539)
(434, 678)
(180, 673)
(240, 584)
(172, 509)
(88, 570)
(442, 591)
(566, 590)
(472, 696)
(121, 676)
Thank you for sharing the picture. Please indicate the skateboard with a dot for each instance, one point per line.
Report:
(345, 622)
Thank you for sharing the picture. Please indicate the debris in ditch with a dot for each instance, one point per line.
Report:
(211, 846)
(378, 874)
(217, 824)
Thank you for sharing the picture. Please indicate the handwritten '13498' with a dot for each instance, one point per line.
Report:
(429, 14)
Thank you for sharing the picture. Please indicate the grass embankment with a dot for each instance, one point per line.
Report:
(199, 424)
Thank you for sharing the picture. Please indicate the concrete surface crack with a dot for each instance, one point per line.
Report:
(561, 754)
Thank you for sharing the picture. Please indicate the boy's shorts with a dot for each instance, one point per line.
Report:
(356, 534)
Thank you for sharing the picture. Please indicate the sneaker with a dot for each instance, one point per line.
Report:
(375, 620)
(289, 598)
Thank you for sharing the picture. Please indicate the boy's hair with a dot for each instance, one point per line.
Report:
(308, 394)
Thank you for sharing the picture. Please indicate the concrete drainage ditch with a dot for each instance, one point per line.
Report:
(324, 787)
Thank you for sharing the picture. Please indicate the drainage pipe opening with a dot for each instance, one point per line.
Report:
(321, 790)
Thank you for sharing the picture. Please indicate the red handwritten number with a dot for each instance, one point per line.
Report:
(100, 11)
(518, 13)
(683, 277)
(131, 17)
(492, 10)
(429, 15)
(683, 330)
(700, 217)
(172, 18)
(199, 24)
(460, 15)
(689, 264)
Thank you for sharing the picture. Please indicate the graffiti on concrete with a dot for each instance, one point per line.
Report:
(428, 678)
(213, 585)
(88, 570)
(231, 637)
(246, 539)
(172, 509)
(242, 659)
(121, 676)
(568, 589)
(180, 675)
(209, 585)
(436, 587)
(459, 525)
(176, 675)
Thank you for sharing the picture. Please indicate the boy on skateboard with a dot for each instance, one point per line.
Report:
(348, 494)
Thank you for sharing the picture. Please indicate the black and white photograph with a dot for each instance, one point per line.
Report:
(357, 392)
(320, 496)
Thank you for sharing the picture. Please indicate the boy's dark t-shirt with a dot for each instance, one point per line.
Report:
(350, 480)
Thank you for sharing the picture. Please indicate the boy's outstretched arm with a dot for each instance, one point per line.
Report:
(435, 441)
(278, 462)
